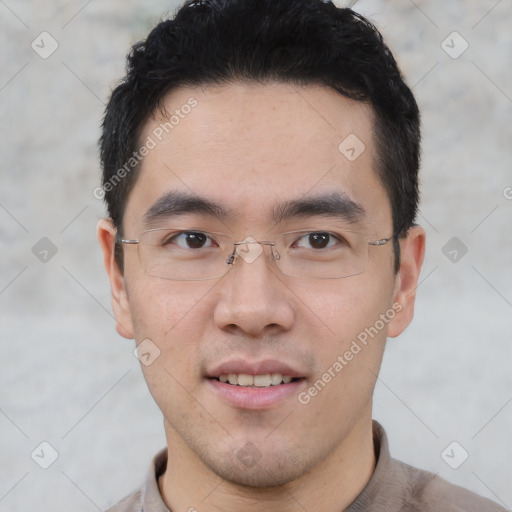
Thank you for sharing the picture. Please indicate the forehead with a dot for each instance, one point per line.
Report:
(252, 147)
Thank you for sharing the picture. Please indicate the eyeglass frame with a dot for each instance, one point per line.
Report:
(230, 260)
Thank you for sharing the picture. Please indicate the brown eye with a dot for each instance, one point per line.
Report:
(195, 240)
(191, 240)
(319, 240)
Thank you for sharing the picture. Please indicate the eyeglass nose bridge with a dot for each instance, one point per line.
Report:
(232, 257)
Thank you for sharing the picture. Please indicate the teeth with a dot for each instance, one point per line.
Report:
(276, 379)
(260, 381)
(245, 380)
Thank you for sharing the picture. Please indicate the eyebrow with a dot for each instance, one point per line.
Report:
(173, 204)
(327, 205)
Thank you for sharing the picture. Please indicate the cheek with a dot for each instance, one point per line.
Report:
(349, 354)
(158, 307)
(350, 350)
(346, 307)
(172, 315)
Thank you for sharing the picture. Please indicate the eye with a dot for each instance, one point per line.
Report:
(317, 240)
(190, 240)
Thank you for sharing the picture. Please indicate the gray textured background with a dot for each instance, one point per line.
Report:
(68, 379)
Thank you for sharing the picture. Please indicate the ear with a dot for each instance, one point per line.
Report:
(106, 236)
(412, 252)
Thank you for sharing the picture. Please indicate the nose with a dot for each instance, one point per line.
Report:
(254, 300)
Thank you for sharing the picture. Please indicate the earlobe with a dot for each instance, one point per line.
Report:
(412, 252)
(106, 233)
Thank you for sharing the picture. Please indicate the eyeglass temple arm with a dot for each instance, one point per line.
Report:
(127, 242)
(382, 241)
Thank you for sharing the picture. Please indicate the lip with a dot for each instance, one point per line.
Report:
(252, 397)
(254, 368)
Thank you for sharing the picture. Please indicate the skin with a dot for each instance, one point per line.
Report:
(251, 147)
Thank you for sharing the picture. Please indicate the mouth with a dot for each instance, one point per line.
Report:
(265, 380)
(255, 385)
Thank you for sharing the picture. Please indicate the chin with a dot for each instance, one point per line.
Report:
(261, 471)
(259, 477)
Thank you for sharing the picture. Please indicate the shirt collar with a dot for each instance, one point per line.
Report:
(380, 482)
(151, 498)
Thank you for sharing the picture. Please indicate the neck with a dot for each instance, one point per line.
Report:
(333, 484)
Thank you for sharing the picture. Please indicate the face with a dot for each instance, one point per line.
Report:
(253, 151)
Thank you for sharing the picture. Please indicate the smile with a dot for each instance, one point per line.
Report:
(259, 381)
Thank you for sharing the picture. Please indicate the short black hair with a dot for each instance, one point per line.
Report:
(302, 42)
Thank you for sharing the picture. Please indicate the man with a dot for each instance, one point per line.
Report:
(260, 171)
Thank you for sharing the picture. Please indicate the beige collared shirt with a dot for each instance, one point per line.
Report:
(393, 487)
